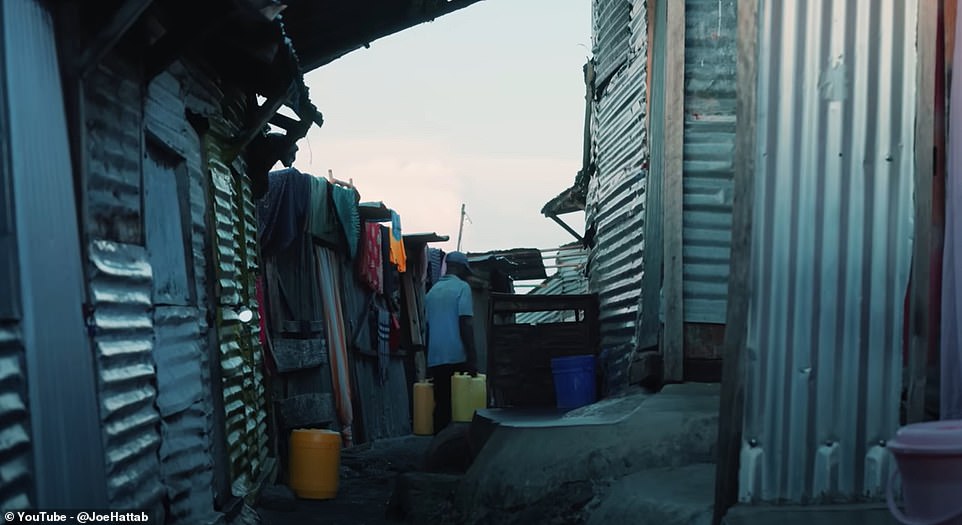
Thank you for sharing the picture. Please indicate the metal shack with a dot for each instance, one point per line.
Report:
(759, 177)
(132, 147)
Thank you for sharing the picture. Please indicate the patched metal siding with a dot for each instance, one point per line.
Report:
(611, 36)
(709, 148)
(616, 194)
(385, 407)
(831, 247)
(114, 136)
(120, 286)
(241, 354)
(16, 464)
(181, 340)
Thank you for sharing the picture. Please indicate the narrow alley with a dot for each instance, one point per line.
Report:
(480, 262)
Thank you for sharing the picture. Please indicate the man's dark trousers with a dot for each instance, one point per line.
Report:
(442, 392)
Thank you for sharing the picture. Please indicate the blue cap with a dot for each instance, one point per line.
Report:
(458, 258)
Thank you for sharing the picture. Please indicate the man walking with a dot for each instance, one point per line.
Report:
(450, 333)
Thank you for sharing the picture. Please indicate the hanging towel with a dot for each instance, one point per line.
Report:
(345, 205)
(370, 267)
(398, 257)
(321, 222)
(283, 211)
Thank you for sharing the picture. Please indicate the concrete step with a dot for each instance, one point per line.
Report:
(867, 514)
(527, 458)
(667, 496)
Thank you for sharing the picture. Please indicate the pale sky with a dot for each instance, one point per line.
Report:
(483, 106)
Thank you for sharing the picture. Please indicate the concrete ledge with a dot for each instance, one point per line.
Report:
(524, 461)
(679, 496)
(868, 514)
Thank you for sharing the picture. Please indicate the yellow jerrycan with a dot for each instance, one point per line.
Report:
(467, 395)
(479, 393)
(424, 408)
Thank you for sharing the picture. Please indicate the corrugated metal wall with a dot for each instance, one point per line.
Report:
(49, 339)
(616, 194)
(568, 280)
(181, 349)
(16, 451)
(709, 148)
(831, 247)
(119, 277)
(120, 287)
(384, 406)
(241, 353)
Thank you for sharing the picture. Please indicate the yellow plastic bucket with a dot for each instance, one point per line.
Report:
(315, 463)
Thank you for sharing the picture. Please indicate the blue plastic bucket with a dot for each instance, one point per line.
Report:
(574, 380)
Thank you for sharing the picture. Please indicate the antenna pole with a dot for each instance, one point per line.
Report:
(461, 228)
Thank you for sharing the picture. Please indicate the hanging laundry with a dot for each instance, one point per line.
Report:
(395, 334)
(398, 257)
(322, 222)
(383, 341)
(329, 277)
(436, 263)
(390, 281)
(370, 266)
(425, 263)
(345, 205)
(283, 211)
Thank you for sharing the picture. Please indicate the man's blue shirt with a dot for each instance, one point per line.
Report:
(444, 305)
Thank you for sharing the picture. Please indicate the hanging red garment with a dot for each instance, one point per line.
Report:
(371, 270)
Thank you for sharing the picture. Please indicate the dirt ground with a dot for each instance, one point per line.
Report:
(368, 474)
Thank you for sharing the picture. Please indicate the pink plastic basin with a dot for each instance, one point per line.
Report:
(929, 458)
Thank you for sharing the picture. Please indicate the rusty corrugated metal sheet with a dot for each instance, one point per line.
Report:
(114, 136)
(616, 194)
(241, 353)
(831, 247)
(119, 288)
(182, 352)
(709, 149)
(16, 451)
(183, 400)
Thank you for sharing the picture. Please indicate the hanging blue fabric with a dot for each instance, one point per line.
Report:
(383, 340)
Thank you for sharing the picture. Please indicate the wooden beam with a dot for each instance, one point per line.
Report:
(919, 312)
(256, 122)
(567, 228)
(124, 18)
(731, 412)
(674, 351)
